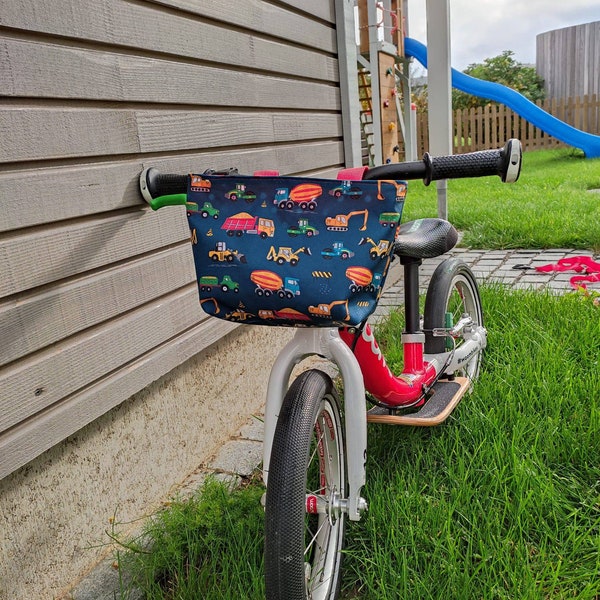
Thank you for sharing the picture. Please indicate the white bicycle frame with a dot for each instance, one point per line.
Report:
(327, 343)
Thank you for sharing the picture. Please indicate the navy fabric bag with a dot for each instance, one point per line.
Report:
(292, 251)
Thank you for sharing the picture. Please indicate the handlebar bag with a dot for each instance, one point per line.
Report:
(292, 251)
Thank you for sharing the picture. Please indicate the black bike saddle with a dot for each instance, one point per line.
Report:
(425, 238)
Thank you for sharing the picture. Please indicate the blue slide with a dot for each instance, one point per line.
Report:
(589, 143)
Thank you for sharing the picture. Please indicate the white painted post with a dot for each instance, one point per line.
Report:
(375, 98)
(439, 84)
(347, 57)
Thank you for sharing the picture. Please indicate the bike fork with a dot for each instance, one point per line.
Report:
(326, 343)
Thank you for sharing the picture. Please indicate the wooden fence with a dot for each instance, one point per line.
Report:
(491, 125)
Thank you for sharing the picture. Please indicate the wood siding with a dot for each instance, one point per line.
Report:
(97, 293)
(568, 59)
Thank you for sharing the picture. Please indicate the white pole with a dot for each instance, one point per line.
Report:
(439, 85)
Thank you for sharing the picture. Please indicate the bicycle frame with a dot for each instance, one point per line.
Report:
(328, 344)
(362, 365)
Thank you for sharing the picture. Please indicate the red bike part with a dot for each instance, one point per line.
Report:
(397, 391)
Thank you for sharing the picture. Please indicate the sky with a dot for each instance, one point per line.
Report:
(481, 29)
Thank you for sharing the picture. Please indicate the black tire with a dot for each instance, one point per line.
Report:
(300, 564)
(452, 290)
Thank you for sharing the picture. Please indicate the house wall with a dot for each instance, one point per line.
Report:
(568, 59)
(112, 386)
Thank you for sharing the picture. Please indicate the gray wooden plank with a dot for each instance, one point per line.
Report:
(148, 27)
(84, 74)
(48, 133)
(44, 378)
(32, 259)
(323, 9)
(181, 130)
(39, 433)
(33, 320)
(266, 18)
(41, 195)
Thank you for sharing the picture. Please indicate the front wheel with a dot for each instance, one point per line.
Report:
(304, 521)
(452, 294)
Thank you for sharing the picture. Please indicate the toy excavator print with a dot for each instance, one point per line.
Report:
(340, 222)
(284, 254)
(399, 185)
(324, 310)
(378, 249)
(223, 254)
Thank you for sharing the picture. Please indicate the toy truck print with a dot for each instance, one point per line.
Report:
(268, 283)
(208, 282)
(303, 195)
(303, 228)
(243, 222)
(337, 250)
(241, 192)
(345, 189)
(362, 278)
(390, 219)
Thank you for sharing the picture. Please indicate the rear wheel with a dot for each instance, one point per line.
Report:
(304, 523)
(452, 294)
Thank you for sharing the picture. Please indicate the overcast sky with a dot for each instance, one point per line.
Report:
(482, 29)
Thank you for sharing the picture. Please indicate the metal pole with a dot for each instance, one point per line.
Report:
(347, 60)
(440, 89)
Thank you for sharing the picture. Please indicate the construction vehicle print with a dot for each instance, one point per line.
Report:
(303, 196)
(222, 253)
(303, 228)
(341, 222)
(338, 250)
(207, 210)
(324, 310)
(378, 249)
(242, 193)
(345, 189)
(198, 184)
(268, 283)
(208, 282)
(390, 219)
(286, 255)
(285, 314)
(362, 279)
(401, 188)
(243, 222)
(238, 315)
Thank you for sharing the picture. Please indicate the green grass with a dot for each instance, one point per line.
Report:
(549, 207)
(209, 546)
(502, 501)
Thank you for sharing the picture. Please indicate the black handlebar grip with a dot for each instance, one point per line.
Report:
(153, 183)
(506, 163)
(458, 166)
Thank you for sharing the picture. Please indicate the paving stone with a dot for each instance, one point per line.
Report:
(238, 456)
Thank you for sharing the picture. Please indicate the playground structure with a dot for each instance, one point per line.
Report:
(387, 119)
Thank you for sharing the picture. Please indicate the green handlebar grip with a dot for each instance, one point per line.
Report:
(168, 200)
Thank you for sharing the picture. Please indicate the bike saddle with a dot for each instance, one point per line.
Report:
(425, 238)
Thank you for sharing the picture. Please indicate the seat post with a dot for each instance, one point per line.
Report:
(411, 293)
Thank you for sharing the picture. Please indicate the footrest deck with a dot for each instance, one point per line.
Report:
(446, 395)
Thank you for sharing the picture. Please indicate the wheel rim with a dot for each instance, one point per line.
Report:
(325, 483)
(462, 301)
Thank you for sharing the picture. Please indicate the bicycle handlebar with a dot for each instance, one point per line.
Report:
(504, 162)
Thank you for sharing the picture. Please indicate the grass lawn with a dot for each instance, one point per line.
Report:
(503, 500)
(549, 207)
